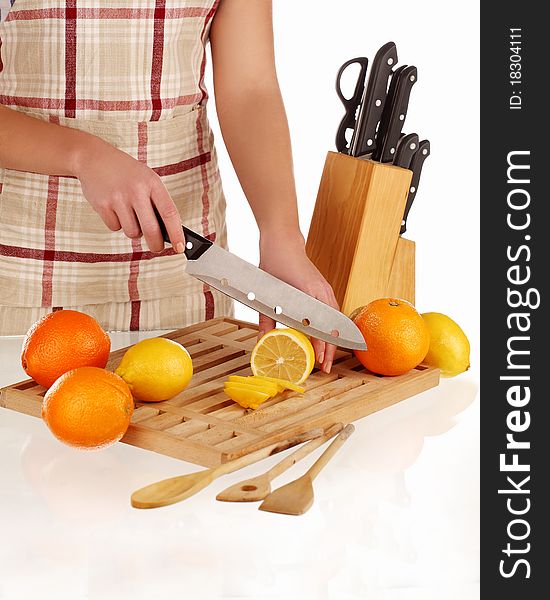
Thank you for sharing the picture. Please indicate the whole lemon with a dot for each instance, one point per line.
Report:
(156, 369)
(449, 347)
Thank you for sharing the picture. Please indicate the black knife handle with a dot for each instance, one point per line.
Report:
(373, 101)
(395, 113)
(416, 167)
(195, 245)
(406, 147)
(350, 104)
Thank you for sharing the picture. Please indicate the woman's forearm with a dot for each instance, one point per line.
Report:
(29, 144)
(251, 112)
(255, 131)
(122, 190)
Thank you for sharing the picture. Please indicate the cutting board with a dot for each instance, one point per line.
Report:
(202, 425)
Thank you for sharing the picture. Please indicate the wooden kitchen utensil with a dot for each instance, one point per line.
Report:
(296, 497)
(354, 233)
(257, 488)
(176, 489)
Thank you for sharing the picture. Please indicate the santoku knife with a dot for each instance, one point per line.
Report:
(264, 293)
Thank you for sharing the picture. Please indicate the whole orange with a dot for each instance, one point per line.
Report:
(396, 336)
(62, 341)
(88, 408)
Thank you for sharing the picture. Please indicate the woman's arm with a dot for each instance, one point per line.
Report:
(119, 188)
(255, 130)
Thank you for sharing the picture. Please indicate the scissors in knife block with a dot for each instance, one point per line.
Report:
(395, 112)
(350, 104)
(415, 166)
(364, 138)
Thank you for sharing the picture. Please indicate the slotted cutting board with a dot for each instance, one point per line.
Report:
(202, 425)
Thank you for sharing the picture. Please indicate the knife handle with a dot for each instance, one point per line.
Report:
(364, 138)
(350, 104)
(406, 147)
(416, 167)
(395, 112)
(195, 245)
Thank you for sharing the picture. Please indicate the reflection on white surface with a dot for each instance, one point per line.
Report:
(393, 517)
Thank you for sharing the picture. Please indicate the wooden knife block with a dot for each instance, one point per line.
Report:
(354, 233)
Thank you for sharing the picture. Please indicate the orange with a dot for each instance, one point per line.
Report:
(396, 336)
(62, 341)
(88, 408)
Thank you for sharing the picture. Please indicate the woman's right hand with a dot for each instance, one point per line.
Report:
(121, 190)
(124, 192)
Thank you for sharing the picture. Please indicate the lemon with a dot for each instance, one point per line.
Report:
(283, 354)
(449, 347)
(156, 369)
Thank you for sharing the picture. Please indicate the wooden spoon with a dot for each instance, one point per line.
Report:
(296, 497)
(257, 488)
(175, 489)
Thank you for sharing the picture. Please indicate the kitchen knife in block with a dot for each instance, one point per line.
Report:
(354, 233)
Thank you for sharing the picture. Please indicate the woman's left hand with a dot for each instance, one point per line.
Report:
(284, 256)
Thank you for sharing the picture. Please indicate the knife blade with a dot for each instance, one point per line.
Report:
(416, 165)
(406, 147)
(350, 104)
(374, 98)
(395, 112)
(265, 293)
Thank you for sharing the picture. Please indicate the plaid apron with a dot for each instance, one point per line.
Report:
(130, 72)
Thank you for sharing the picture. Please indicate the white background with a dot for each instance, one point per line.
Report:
(396, 511)
(312, 40)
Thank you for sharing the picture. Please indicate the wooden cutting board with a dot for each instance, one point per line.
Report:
(202, 425)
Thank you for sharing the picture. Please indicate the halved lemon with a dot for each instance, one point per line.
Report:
(283, 354)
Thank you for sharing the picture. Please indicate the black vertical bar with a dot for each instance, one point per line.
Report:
(515, 271)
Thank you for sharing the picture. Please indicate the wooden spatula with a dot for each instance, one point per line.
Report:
(257, 488)
(296, 497)
(175, 489)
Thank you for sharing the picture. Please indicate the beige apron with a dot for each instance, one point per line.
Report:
(130, 72)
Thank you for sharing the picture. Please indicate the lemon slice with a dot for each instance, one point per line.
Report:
(270, 391)
(283, 354)
(269, 387)
(283, 384)
(246, 398)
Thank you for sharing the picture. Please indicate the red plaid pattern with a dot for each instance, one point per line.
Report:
(131, 72)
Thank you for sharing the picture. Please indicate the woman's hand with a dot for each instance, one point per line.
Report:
(124, 192)
(284, 256)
